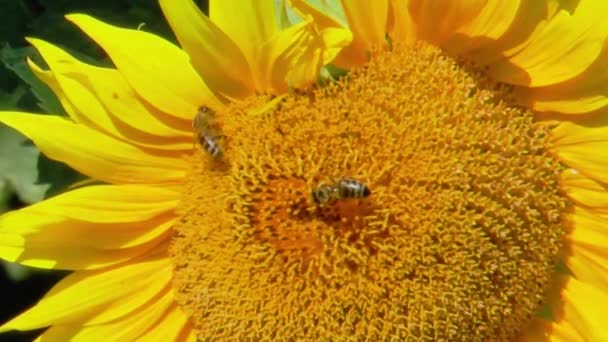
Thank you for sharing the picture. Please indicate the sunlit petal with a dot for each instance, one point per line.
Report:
(248, 23)
(150, 316)
(437, 20)
(107, 297)
(563, 49)
(216, 57)
(107, 159)
(144, 59)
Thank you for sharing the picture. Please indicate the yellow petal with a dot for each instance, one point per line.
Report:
(89, 227)
(109, 203)
(158, 71)
(248, 23)
(216, 57)
(542, 330)
(560, 51)
(174, 326)
(334, 41)
(292, 58)
(73, 256)
(583, 148)
(585, 191)
(585, 93)
(400, 25)
(583, 310)
(95, 154)
(588, 248)
(100, 98)
(530, 17)
(97, 296)
(368, 22)
(351, 55)
(320, 17)
(131, 327)
(437, 20)
(497, 20)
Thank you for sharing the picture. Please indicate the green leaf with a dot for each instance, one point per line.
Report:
(57, 175)
(11, 100)
(18, 166)
(14, 60)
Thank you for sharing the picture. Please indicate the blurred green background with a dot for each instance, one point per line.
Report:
(26, 176)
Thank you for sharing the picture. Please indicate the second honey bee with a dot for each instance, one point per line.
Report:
(206, 134)
(344, 188)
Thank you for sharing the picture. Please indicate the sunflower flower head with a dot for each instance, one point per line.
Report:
(465, 213)
(486, 199)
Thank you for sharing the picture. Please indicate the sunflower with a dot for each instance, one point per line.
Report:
(130, 127)
(477, 127)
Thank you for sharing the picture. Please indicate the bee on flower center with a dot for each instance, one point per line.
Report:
(325, 194)
(206, 134)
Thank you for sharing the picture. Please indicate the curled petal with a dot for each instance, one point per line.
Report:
(294, 57)
(216, 57)
(100, 98)
(144, 59)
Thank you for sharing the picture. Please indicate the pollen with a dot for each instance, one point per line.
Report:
(457, 240)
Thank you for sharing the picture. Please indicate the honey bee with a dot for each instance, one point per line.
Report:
(206, 134)
(342, 189)
(211, 145)
(203, 120)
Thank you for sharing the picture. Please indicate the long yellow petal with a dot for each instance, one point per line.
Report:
(128, 328)
(400, 25)
(437, 20)
(562, 50)
(585, 93)
(89, 227)
(109, 294)
(584, 148)
(174, 326)
(368, 22)
(95, 154)
(216, 57)
(582, 308)
(588, 248)
(158, 71)
(495, 21)
(100, 98)
(74, 256)
(585, 191)
(107, 204)
(248, 23)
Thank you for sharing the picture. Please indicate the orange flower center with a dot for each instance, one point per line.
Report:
(457, 240)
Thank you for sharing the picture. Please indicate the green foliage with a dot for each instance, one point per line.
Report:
(18, 170)
(39, 97)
